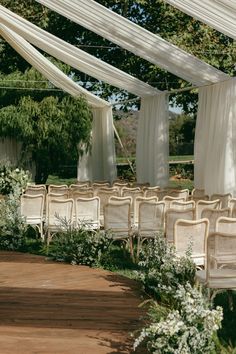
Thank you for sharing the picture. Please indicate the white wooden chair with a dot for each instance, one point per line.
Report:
(58, 189)
(59, 216)
(219, 273)
(171, 216)
(33, 190)
(203, 204)
(137, 202)
(178, 204)
(226, 225)
(179, 193)
(87, 213)
(232, 205)
(168, 200)
(150, 220)
(117, 220)
(197, 192)
(133, 193)
(191, 235)
(224, 199)
(213, 215)
(104, 194)
(31, 207)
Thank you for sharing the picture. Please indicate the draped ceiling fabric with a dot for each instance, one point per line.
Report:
(136, 39)
(59, 79)
(153, 137)
(215, 140)
(219, 14)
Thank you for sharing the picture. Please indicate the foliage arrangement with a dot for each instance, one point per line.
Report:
(12, 179)
(79, 246)
(184, 323)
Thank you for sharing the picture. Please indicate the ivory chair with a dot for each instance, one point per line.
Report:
(120, 184)
(197, 198)
(219, 274)
(59, 216)
(213, 215)
(179, 193)
(232, 205)
(150, 220)
(82, 193)
(114, 199)
(151, 191)
(36, 186)
(50, 196)
(168, 200)
(133, 193)
(226, 225)
(87, 213)
(171, 216)
(30, 190)
(137, 202)
(203, 204)
(224, 199)
(196, 192)
(117, 220)
(191, 235)
(160, 194)
(31, 208)
(180, 205)
(58, 189)
(98, 185)
(77, 187)
(104, 196)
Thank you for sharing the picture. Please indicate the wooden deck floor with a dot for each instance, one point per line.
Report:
(53, 308)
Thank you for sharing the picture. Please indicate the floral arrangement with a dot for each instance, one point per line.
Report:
(12, 178)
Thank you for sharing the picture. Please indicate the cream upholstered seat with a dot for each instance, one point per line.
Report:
(224, 199)
(213, 215)
(87, 213)
(219, 273)
(117, 220)
(203, 204)
(31, 207)
(191, 235)
(150, 220)
(171, 216)
(59, 216)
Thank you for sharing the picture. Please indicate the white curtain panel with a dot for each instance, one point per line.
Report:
(219, 14)
(74, 56)
(84, 166)
(136, 39)
(59, 79)
(152, 151)
(215, 139)
(103, 148)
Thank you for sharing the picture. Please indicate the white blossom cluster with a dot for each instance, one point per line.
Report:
(13, 178)
(188, 329)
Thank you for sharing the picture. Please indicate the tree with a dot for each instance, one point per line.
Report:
(50, 130)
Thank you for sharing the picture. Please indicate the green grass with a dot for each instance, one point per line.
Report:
(181, 158)
(57, 180)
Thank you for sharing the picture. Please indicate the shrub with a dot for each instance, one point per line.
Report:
(12, 179)
(79, 246)
(161, 270)
(188, 328)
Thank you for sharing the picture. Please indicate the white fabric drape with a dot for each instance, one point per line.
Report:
(136, 39)
(152, 152)
(215, 139)
(46, 68)
(103, 149)
(59, 79)
(219, 14)
(74, 56)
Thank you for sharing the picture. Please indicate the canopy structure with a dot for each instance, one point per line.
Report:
(136, 39)
(219, 14)
(152, 140)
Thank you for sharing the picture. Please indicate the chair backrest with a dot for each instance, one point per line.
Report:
(114, 199)
(171, 216)
(81, 184)
(104, 196)
(224, 199)
(191, 235)
(82, 193)
(98, 185)
(196, 192)
(226, 225)
(203, 204)
(151, 191)
(220, 265)
(137, 202)
(151, 217)
(59, 189)
(77, 187)
(200, 197)
(232, 205)
(31, 206)
(36, 186)
(179, 204)
(168, 200)
(87, 211)
(59, 212)
(120, 184)
(133, 193)
(213, 215)
(179, 193)
(35, 191)
(117, 216)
